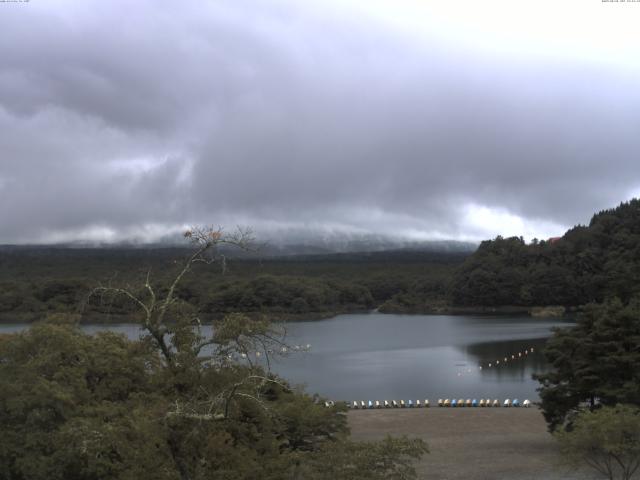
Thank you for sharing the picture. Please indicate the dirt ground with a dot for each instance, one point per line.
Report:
(472, 443)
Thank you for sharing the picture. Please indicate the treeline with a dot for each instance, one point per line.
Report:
(35, 282)
(588, 264)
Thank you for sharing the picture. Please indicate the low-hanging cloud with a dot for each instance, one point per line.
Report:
(123, 121)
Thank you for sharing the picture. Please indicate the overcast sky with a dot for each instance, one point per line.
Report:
(126, 120)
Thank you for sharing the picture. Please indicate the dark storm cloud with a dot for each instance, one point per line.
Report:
(121, 120)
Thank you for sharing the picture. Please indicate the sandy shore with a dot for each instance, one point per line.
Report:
(472, 443)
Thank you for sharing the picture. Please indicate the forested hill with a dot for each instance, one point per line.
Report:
(589, 263)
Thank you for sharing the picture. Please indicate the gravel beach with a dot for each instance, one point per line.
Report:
(472, 443)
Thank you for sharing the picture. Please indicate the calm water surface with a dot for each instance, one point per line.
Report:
(382, 356)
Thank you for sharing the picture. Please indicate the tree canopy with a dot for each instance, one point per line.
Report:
(607, 440)
(587, 264)
(597, 362)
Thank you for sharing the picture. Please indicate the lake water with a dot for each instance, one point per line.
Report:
(382, 356)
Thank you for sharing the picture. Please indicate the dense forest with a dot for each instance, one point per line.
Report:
(36, 282)
(587, 264)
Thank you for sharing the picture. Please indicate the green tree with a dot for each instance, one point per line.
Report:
(597, 362)
(607, 440)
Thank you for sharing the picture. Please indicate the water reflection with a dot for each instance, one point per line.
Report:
(376, 356)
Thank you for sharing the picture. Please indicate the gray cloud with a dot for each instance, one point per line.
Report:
(121, 120)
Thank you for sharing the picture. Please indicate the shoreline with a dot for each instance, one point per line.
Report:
(288, 317)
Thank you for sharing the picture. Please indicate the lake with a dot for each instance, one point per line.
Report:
(384, 356)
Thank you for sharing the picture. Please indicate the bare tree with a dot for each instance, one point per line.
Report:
(176, 331)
